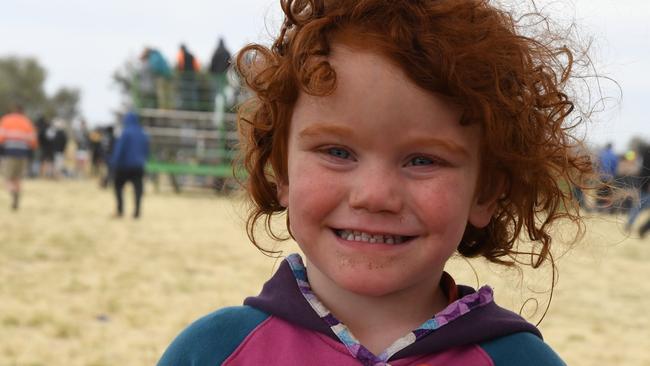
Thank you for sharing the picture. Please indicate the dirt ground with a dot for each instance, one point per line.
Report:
(78, 287)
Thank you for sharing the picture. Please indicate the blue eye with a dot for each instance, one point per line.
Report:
(337, 152)
(420, 161)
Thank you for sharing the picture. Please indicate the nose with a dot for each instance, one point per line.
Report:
(377, 190)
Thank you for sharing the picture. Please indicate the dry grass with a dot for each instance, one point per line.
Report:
(80, 288)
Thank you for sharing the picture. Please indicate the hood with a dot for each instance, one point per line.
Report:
(131, 120)
(281, 297)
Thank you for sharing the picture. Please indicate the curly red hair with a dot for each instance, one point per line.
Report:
(467, 50)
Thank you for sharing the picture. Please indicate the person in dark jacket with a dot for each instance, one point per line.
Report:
(219, 67)
(107, 146)
(128, 160)
(59, 145)
(46, 146)
(220, 59)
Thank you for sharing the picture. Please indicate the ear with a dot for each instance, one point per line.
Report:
(283, 194)
(485, 203)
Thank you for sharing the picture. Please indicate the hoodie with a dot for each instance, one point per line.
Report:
(132, 147)
(287, 325)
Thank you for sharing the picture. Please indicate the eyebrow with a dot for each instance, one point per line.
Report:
(445, 144)
(328, 129)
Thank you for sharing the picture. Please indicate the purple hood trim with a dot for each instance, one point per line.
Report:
(282, 298)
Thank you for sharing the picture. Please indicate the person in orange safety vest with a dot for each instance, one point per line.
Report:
(17, 142)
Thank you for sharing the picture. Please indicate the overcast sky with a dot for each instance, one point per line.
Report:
(81, 43)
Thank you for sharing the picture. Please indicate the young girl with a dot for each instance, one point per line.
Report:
(393, 134)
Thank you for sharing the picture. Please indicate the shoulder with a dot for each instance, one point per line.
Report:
(211, 339)
(521, 349)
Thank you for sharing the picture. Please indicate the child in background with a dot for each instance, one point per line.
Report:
(394, 134)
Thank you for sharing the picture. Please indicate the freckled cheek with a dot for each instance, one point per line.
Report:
(313, 194)
(442, 206)
(433, 207)
(311, 203)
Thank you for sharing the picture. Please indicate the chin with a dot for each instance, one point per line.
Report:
(373, 285)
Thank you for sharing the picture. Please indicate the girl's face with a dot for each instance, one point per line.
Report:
(381, 179)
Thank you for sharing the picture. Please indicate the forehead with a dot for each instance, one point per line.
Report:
(359, 67)
(372, 89)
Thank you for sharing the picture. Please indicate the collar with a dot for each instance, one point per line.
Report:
(472, 318)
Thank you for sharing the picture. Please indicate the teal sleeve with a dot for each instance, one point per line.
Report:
(521, 349)
(211, 339)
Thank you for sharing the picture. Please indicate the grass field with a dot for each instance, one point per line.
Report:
(78, 287)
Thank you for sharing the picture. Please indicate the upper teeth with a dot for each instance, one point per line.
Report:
(370, 238)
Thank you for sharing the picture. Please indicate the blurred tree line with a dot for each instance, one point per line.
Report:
(22, 80)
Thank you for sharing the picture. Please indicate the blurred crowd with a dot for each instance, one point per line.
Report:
(57, 149)
(625, 184)
(187, 85)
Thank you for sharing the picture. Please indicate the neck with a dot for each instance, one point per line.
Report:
(378, 321)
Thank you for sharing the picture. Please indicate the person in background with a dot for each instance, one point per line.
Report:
(42, 124)
(46, 134)
(107, 145)
(83, 146)
(128, 161)
(18, 140)
(146, 86)
(644, 192)
(162, 75)
(96, 151)
(219, 66)
(59, 144)
(608, 166)
(627, 180)
(187, 66)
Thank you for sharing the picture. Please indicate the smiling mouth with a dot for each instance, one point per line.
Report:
(354, 235)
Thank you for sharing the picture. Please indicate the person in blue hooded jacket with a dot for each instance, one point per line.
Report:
(128, 160)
